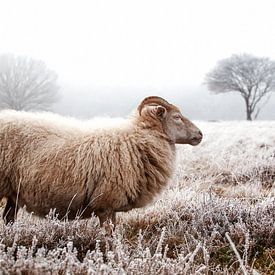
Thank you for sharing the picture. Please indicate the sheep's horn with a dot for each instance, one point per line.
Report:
(154, 99)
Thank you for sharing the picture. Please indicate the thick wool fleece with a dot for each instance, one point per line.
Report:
(47, 164)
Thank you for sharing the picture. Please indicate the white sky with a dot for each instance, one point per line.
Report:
(136, 43)
(109, 54)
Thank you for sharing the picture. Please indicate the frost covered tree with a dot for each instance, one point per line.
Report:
(26, 84)
(252, 77)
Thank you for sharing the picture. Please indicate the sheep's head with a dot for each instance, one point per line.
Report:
(157, 113)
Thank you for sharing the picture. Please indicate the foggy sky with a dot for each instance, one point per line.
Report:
(110, 54)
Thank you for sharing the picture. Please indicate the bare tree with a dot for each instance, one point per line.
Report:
(252, 77)
(26, 84)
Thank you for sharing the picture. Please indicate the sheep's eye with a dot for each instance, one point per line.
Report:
(177, 117)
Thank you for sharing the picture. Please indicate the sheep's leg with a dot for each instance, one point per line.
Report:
(106, 216)
(10, 211)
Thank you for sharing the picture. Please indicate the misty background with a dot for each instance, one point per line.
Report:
(109, 55)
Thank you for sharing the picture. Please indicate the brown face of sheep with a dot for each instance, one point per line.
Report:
(179, 129)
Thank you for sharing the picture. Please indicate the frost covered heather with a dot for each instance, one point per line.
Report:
(217, 216)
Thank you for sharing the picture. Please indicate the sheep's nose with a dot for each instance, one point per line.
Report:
(200, 133)
(197, 137)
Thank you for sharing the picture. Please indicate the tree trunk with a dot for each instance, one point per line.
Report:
(248, 109)
(248, 114)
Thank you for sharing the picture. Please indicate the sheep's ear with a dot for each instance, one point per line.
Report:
(161, 111)
(154, 111)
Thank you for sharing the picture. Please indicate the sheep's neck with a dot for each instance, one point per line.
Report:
(157, 160)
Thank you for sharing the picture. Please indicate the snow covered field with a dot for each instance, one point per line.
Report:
(216, 216)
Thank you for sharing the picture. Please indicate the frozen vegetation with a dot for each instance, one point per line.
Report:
(216, 217)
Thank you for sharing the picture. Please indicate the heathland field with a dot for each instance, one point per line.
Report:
(217, 216)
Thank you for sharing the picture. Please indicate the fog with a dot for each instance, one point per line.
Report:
(196, 103)
(110, 54)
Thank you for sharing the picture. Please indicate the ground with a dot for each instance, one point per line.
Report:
(217, 216)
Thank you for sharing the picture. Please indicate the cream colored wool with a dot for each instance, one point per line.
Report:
(51, 163)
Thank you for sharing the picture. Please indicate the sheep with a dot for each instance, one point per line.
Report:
(46, 164)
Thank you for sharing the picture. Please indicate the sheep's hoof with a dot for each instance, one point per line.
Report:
(109, 227)
(107, 219)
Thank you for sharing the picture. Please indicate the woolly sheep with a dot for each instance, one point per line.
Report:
(46, 164)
